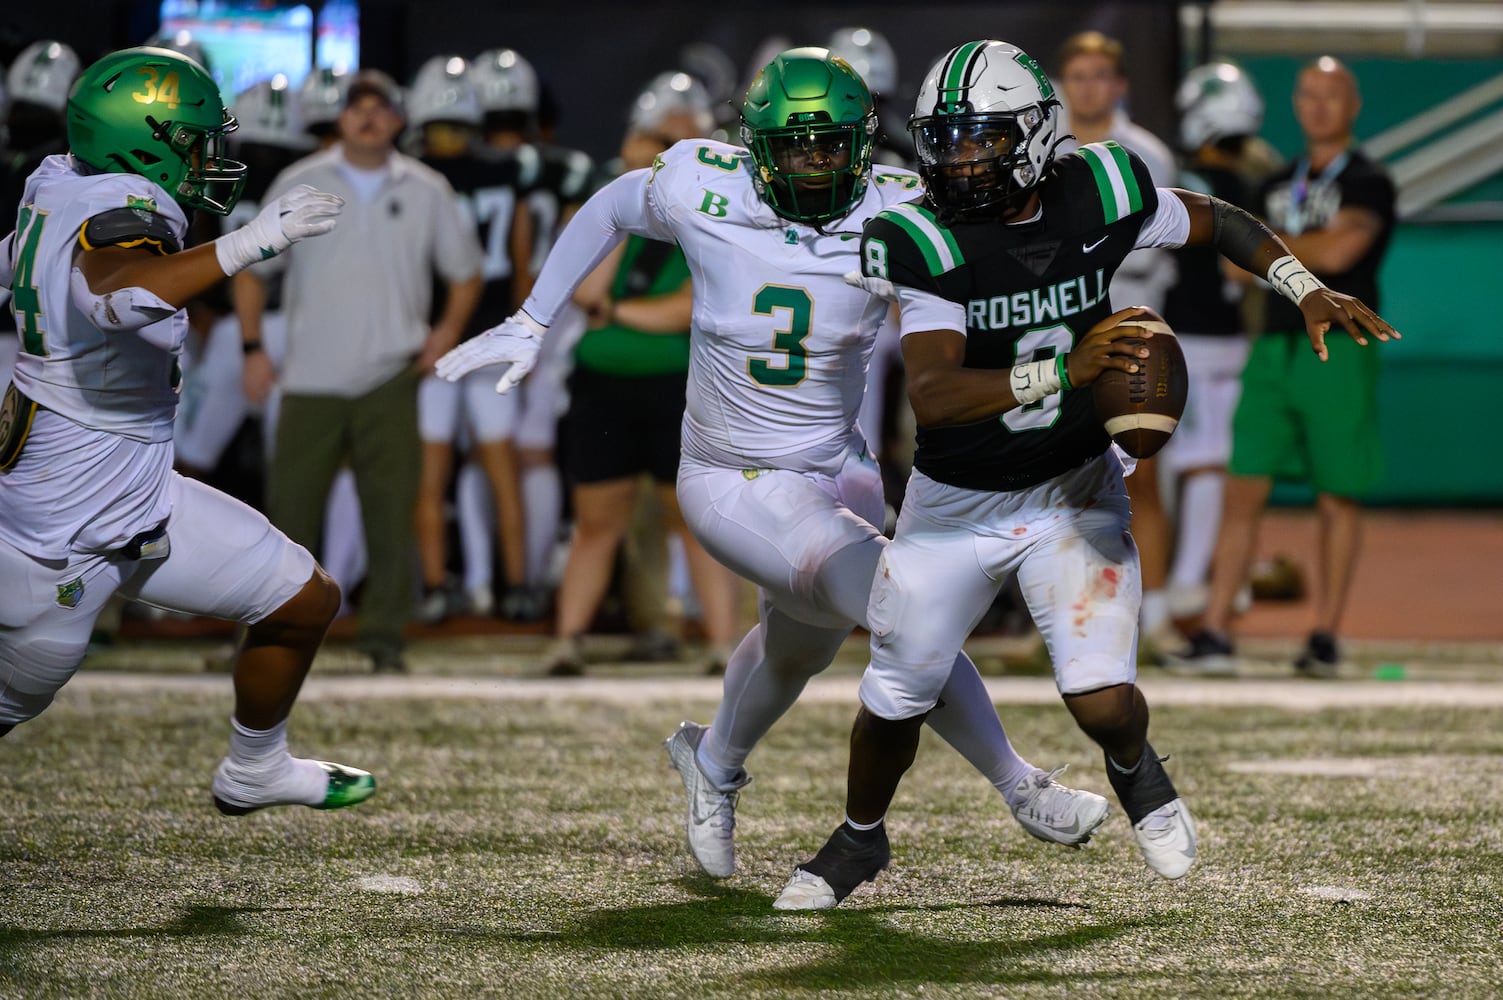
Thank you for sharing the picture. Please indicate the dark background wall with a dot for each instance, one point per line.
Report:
(596, 56)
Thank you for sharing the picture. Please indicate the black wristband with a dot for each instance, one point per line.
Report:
(250, 346)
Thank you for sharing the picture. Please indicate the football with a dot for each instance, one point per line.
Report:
(1141, 410)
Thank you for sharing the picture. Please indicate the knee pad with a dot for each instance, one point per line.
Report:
(893, 692)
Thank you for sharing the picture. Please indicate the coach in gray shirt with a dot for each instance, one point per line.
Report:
(358, 338)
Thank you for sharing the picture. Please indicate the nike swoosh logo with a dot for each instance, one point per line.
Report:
(1088, 247)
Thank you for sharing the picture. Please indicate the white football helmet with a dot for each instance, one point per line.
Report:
(985, 127)
(43, 74)
(1216, 101)
(870, 55)
(506, 81)
(321, 98)
(442, 91)
(671, 93)
(269, 114)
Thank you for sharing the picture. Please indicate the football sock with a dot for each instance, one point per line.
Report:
(260, 770)
(1155, 611)
(966, 719)
(1199, 521)
(476, 517)
(543, 502)
(1143, 787)
(763, 678)
(860, 829)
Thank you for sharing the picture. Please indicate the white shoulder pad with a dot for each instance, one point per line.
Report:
(894, 185)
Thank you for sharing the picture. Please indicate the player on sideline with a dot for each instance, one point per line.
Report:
(1001, 282)
(89, 504)
(775, 479)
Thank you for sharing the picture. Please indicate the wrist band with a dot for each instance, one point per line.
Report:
(1291, 279)
(250, 346)
(1034, 380)
(1062, 369)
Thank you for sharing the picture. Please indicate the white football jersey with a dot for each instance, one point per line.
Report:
(116, 382)
(95, 468)
(779, 342)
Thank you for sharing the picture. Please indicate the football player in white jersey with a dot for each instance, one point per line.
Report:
(775, 478)
(89, 504)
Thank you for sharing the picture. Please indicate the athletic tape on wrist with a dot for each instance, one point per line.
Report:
(1034, 380)
(1291, 279)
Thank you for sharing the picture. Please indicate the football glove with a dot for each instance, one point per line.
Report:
(516, 342)
(880, 287)
(300, 213)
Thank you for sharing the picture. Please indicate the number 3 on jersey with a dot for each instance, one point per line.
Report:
(789, 340)
(26, 303)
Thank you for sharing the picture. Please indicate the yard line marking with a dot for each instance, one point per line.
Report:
(1295, 695)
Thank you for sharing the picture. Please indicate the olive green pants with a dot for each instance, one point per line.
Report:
(376, 435)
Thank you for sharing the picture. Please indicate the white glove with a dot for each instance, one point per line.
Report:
(880, 287)
(516, 342)
(296, 215)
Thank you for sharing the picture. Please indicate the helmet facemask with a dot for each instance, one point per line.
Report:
(980, 163)
(812, 172)
(207, 179)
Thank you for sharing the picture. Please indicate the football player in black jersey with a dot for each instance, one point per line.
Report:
(1221, 113)
(444, 105)
(1001, 282)
(517, 122)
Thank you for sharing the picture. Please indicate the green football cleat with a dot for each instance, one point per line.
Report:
(348, 786)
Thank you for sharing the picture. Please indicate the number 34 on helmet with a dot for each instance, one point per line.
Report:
(157, 113)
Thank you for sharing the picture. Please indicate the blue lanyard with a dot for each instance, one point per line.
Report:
(1299, 190)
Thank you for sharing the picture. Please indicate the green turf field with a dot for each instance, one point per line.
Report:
(531, 847)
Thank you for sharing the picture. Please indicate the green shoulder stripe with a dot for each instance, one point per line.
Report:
(1120, 194)
(934, 241)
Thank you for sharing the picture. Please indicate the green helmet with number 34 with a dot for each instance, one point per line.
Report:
(156, 113)
(809, 122)
(985, 127)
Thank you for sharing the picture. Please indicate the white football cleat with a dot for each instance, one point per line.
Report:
(1057, 813)
(805, 891)
(1167, 837)
(710, 821)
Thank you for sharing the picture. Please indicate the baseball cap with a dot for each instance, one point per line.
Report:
(375, 83)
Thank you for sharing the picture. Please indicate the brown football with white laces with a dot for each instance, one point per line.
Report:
(1141, 409)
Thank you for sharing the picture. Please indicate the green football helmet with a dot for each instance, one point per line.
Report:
(809, 122)
(156, 113)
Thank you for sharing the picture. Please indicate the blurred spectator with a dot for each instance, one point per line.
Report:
(1094, 90)
(519, 118)
(626, 400)
(1299, 418)
(444, 107)
(358, 340)
(1221, 113)
(37, 84)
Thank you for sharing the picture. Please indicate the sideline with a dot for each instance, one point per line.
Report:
(1290, 694)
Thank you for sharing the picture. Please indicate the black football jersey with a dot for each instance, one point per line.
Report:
(566, 177)
(492, 186)
(1030, 291)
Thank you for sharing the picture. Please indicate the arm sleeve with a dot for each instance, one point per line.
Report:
(617, 210)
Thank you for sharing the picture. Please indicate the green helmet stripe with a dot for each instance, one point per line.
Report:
(935, 242)
(1120, 194)
(958, 70)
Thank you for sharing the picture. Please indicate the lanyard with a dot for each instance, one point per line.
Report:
(1299, 190)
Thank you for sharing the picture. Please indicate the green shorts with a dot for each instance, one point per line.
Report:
(1306, 420)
